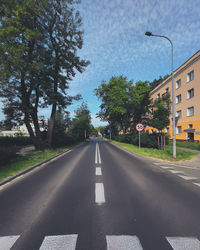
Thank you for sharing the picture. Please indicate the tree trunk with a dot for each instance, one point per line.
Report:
(51, 125)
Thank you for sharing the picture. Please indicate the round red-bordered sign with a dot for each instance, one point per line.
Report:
(139, 127)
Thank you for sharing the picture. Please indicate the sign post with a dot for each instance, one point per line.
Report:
(139, 128)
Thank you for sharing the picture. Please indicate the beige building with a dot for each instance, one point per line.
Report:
(187, 99)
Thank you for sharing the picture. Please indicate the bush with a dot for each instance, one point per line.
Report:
(7, 154)
(61, 141)
(146, 140)
(14, 141)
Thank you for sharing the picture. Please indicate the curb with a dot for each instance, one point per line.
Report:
(29, 169)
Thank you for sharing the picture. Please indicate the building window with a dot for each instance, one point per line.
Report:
(178, 84)
(190, 111)
(190, 76)
(167, 90)
(190, 93)
(167, 130)
(178, 99)
(190, 126)
(178, 113)
(178, 130)
(158, 96)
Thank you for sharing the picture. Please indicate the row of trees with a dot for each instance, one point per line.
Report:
(124, 104)
(39, 40)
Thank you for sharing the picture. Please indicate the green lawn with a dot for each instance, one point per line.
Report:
(23, 162)
(155, 153)
(191, 145)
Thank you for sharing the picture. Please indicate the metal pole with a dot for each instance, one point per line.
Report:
(173, 102)
(139, 139)
(173, 107)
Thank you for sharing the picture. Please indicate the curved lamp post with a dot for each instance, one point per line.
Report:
(173, 104)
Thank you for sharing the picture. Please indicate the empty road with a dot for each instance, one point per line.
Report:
(99, 197)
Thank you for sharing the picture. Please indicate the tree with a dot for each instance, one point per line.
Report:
(81, 124)
(156, 82)
(160, 116)
(38, 58)
(123, 104)
(115, 97)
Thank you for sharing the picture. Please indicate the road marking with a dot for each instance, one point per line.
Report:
(176, 172)
(97, 154)
(61, 242)
(198, 184)
(123, 242)
(166, 167)
(6, 242)
(156, 163)
(181, 243)
(98, 171)
(188, 177)
(99, 193)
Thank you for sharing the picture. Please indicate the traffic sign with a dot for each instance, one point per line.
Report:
(139, 127)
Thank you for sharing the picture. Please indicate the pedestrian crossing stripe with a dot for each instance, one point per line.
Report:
(114, 242)
(122, 242)
(61, 242)
(181, 243)
(6, 242)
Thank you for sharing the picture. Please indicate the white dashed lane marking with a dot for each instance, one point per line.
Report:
(198, 184)
(99, 194)
(98, 171)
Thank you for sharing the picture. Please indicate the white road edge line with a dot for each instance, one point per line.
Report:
(6, 242)
(99, 193)
(176, 172)
(98, 171)
(61, 242)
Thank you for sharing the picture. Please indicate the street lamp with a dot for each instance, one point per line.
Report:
(173, 104)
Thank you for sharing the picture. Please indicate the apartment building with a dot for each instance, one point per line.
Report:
(187, 99)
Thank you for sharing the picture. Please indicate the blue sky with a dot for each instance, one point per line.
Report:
(115, 43)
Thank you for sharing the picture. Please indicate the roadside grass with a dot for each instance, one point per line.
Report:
(190, 145)
(23, 162)
(155, 153)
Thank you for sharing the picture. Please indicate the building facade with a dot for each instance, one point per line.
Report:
(187, 99)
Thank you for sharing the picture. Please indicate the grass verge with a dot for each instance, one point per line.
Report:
(155, 153)
(23, 162)
(190, 145)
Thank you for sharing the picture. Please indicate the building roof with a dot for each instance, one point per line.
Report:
(186, 64)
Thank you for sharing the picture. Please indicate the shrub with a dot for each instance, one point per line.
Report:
(146, 140)
(7, 154)
(14, 141)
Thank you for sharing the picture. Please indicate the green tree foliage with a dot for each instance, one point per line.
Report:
(160, 113)
(81, 124)
(156, 82)
(39, 40)
(123, 103)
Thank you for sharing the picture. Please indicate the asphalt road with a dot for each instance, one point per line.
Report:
(99, 197)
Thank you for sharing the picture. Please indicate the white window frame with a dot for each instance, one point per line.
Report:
(178, 130)
(190, 76)
(178, 84)
(179, 112)
(188, 111)
(177, 99)
(189, 93)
